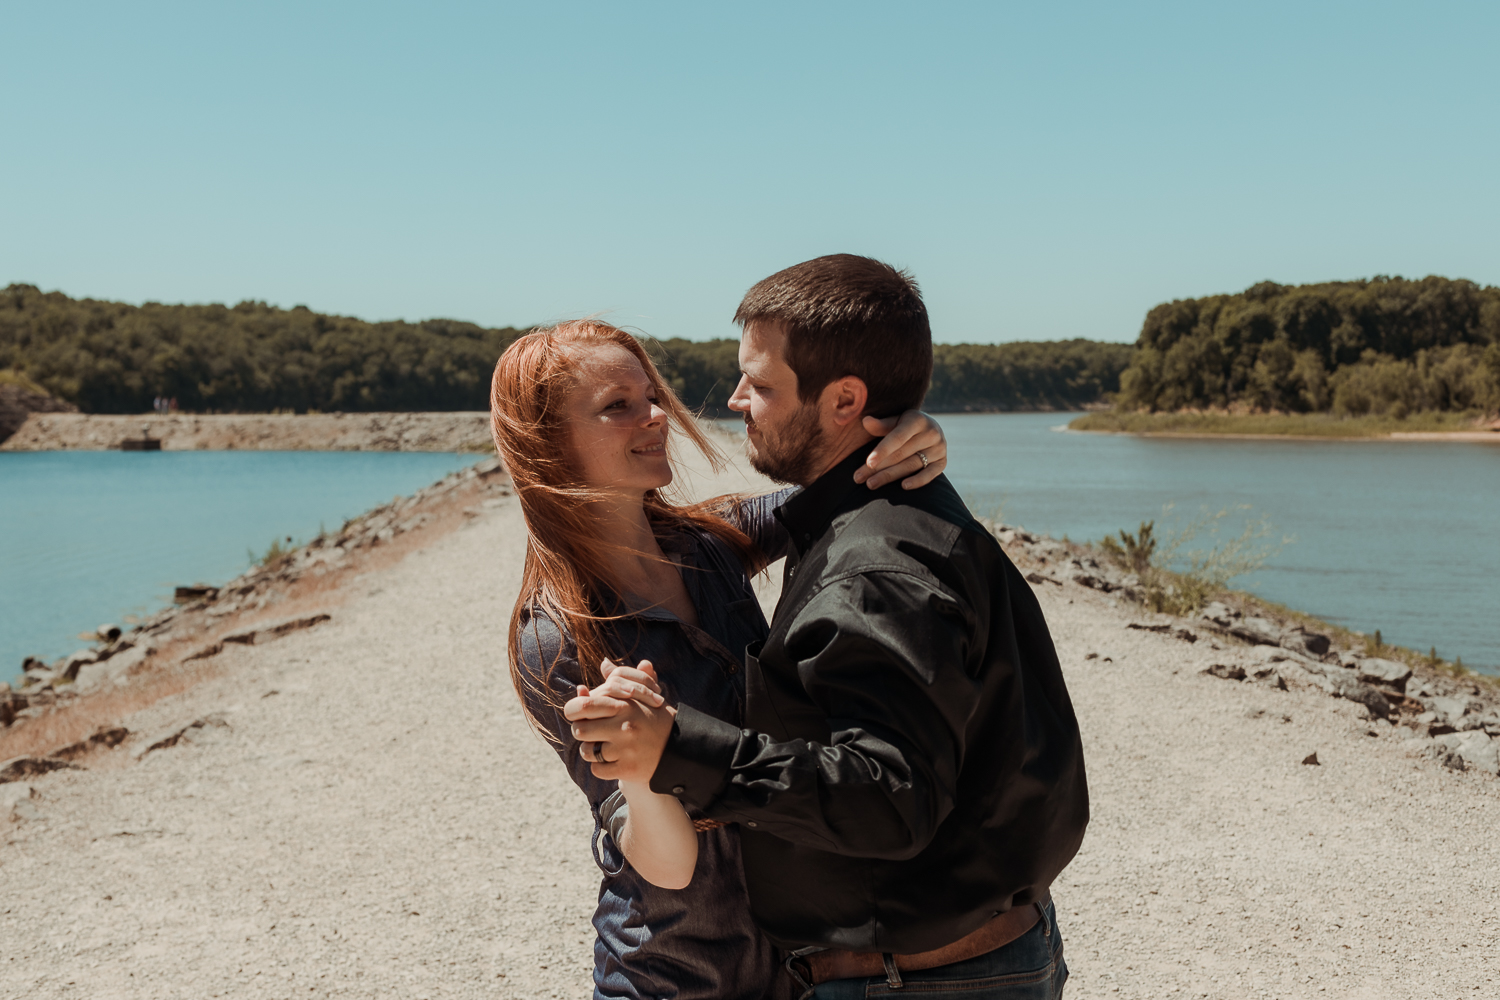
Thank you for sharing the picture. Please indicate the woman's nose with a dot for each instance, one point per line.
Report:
(654, 415)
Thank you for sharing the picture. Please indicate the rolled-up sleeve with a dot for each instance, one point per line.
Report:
(884, 657)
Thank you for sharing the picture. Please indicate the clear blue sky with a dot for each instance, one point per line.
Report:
(1046, 170)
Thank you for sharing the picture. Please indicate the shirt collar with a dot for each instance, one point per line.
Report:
(808, 511)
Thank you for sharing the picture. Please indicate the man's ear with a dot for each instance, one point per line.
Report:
(844, 400)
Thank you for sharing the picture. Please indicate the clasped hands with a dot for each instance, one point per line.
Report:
(622, 724)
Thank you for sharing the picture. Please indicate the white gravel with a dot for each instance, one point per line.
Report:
(386, 825)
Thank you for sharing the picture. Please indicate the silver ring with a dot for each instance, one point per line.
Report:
(923, 456)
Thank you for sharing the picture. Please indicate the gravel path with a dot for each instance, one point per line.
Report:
(375, 819)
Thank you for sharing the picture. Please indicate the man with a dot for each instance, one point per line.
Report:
(910, 777)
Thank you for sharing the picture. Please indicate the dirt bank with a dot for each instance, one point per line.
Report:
(257, 432)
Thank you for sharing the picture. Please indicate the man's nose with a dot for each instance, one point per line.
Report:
(740, 398)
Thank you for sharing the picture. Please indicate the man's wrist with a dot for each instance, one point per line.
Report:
(696, 761)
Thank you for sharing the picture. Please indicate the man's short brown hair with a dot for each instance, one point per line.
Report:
(848, 315)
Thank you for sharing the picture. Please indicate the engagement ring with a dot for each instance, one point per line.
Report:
(923, 456)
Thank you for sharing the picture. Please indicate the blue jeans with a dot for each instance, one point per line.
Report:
(1029, 968)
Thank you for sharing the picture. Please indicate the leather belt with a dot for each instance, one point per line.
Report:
(999, 931)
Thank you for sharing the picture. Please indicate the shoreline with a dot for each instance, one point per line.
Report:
(414, 431)
(319, 795)
(1459, 437)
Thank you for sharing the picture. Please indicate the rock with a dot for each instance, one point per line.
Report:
(116, 668)
(1220, 614)
(1260, 631)
(1476, 748)
(1374, 670)
(1312, 759)
(1035, 577)
(75, 663)
(1300, 640)
(197, 592)
(27, 767)
(17, 802)
(1450, 711)
(1228, 671)
(108, 633)
(190, 732)
(266, 633)
(1364, 694)
(105, 736)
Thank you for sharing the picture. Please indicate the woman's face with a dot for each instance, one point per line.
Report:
(618, 432)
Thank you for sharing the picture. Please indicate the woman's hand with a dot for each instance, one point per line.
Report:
(621, 686)
(905, 442)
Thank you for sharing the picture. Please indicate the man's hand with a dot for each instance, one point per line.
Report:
(905, 441)
(621, 684)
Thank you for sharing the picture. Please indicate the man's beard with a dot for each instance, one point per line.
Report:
(789, 455)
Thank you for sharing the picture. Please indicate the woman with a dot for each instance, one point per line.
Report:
(616, 571)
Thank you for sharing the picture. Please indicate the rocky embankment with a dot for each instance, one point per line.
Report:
(18, 402)
(263, 604)
(255, 432)
(1454, 719)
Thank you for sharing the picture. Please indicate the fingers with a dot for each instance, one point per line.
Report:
(622, 688)
(594, 706)
(641, 673)
(915, 433)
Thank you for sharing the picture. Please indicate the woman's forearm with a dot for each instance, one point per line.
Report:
(658, 839)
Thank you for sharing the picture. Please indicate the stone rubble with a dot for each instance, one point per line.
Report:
(118, 656)
(1455, 720)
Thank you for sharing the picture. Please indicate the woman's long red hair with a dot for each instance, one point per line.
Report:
(566, 575)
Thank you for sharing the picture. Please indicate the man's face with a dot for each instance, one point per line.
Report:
(782, 433)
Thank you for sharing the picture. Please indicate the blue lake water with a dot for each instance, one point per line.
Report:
(88, 536)
(1397, 536)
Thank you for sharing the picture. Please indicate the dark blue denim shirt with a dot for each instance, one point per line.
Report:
(697, 942)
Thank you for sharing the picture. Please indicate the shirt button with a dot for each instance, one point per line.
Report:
(752, 823)
(678, 789)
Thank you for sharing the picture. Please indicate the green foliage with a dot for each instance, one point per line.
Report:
(275, 552)
(1178, 573)
(1057, 375)
(109, 357)
(1383, 346)
(1134, 552)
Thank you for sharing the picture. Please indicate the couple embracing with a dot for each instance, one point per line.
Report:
(869, 794)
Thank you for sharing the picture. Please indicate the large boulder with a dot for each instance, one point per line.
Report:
(1476, 748)
(1300, 640)
(1391, 673)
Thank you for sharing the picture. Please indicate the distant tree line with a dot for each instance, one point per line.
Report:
(1059, 375)
(1383, 346)
(110, 357)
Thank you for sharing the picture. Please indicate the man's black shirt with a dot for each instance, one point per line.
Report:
(910, 764)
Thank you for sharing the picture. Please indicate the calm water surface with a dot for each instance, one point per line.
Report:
(1401, 537)
(89, 536)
